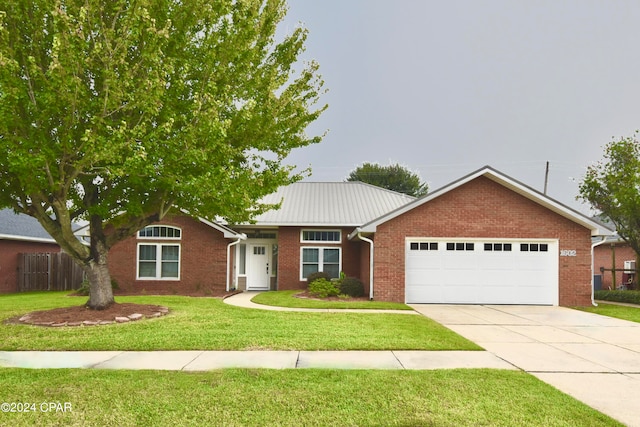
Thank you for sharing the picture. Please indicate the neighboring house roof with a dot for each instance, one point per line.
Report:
(346, 204)
(596, 228)
(22, 227)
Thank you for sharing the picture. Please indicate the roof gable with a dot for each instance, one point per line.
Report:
(507, 182)
(348, 204)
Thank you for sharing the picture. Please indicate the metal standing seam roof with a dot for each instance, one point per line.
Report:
(22, 227)
(348, 204)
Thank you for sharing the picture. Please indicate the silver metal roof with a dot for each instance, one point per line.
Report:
(330, 204)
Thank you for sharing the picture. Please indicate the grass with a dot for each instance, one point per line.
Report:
(618, 311)
(238, 397)
(209, 324)
(287, 299)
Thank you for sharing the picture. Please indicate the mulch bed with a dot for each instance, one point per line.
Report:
(307, 295)
(84, 316)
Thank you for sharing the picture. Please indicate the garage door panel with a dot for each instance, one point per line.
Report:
(483, 272)
(457, 261)
(497, 278)
(426, 292)
(462, 294)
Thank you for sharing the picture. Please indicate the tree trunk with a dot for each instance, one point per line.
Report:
(100, 290)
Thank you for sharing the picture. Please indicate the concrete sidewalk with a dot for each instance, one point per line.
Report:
(209, 360)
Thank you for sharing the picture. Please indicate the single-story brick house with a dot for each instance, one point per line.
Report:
(19, 233)
(483, 239)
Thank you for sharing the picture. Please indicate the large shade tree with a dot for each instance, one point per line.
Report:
(117, 112)
(392, 177)
(612, 186)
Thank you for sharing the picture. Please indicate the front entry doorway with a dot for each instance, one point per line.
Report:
(260, 268)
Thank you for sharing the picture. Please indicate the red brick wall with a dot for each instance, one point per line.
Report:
(602, 258)
(9, 250)
(289, 256)
(203, 260)
(482, 208)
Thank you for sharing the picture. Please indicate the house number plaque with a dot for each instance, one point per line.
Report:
(568, 252)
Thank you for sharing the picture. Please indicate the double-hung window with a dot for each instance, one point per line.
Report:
(323, 259)
(159, 260)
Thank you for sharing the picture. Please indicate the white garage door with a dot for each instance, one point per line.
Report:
(471, 271)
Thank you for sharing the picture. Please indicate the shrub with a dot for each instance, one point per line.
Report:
(84, 288)
(318, 275)
(632, 297)
(323, 288)
(352, 287)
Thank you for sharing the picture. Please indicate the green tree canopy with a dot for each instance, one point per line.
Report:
(115, 112)
(612, 186)
(392, 177)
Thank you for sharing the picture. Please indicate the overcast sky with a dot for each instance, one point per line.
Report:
(446, 87)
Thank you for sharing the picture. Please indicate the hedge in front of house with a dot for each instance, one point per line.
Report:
(323, 288)
(632, 297)
(352, 287)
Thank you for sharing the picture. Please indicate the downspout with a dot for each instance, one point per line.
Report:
(364, 239)
(593, 301)
(240, 238)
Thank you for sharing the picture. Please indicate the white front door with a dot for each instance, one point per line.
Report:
(258, 268)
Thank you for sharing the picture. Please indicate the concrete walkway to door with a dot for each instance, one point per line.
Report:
(594, 358)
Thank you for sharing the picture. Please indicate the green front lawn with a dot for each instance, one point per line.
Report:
(209, 324)
(612, 310)
(288, 299)
(311, 397)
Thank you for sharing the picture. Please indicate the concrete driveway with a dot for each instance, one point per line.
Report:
(594, 358)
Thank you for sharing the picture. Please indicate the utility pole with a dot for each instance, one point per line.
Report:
(546, 178)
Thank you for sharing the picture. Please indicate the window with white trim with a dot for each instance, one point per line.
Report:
(324, 236)
(327, 260)
(242, 259)
(160, 232)
(158, 261)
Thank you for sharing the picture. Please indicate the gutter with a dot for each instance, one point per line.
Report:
(241, 237)
(26, 239)
(364, 239)
(604, 239)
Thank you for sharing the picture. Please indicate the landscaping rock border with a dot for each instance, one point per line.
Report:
(158, 311)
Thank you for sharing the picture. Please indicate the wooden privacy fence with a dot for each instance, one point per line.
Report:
(48, 272)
